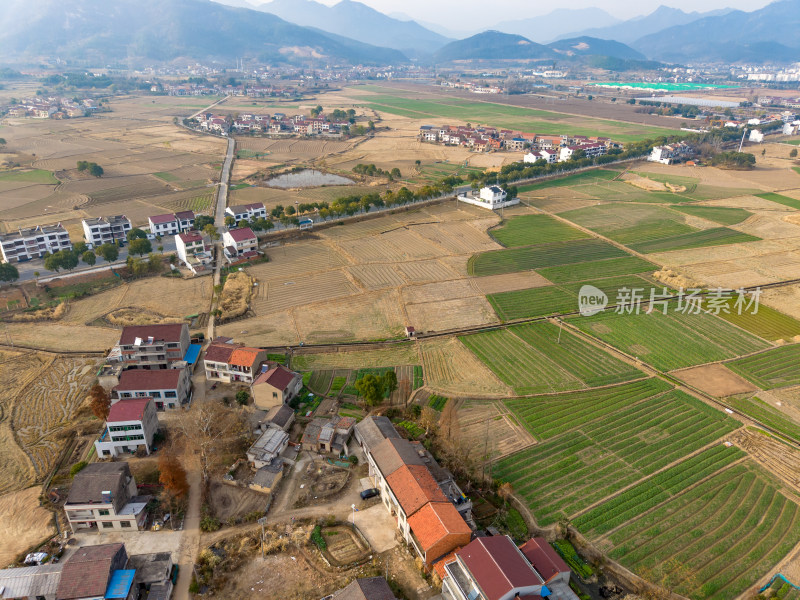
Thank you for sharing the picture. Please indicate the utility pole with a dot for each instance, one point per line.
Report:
(262, 521)
(741, 143)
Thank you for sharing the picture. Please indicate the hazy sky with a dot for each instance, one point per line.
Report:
(479, 14)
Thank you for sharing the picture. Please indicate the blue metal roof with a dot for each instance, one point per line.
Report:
(192, 353)
(120, 584)
(545, 592)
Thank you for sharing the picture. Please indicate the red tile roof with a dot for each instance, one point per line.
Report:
(279, 377)
(544, 558)
(185, 215)
(87, 572)
(436, 521)
(144, 380)
(414, 487)
(128, 409)
(497, 566)
(170, 332)
(254, 206)
(190, 236)
(162, 219)
(243, 234)
(219, 352)
(244, 357)
(440, 564)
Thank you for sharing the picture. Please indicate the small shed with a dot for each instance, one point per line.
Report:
(410, 332)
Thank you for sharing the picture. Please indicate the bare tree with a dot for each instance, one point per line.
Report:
(210, 428)
(428, 418)
(99, 401)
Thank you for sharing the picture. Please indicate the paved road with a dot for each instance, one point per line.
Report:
(219, 219)
(28, 268)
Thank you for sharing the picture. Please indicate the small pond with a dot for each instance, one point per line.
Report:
(307, 178)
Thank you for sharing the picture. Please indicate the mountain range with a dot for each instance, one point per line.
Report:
(100, 32)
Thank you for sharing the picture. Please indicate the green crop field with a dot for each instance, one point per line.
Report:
(531, 360)
(714, 540)
(772, 369)
(687, 182)
(337, 384)
(766, 414)
(583, 178)
(597, 269)
(527, 230)
(534, 302)
(618, 216)
(673, 340)
(568, 473)
(785, 200)
(717, 214)
(548, 416)
(32, 176)
(719, 236)
(511, 117)
(320, 382)
(527, 258)
(167, 176)
(767, 323)
(648, 232)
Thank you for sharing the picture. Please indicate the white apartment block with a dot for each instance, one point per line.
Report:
(34, 242)
(131, 424)
(105, 230)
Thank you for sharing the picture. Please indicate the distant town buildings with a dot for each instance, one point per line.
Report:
(670, 153)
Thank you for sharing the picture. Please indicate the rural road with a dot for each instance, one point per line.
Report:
(219, 220)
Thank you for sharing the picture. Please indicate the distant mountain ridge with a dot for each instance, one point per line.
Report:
(103, 32)
(768, 34)
(359, 22)
(557, 24)
(492, 45)
(586, 46)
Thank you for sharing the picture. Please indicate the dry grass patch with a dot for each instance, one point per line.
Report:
(445, 315)
(785, 299)
(490, 430)
(124, 317)
(376, 277)
(278, 295)
(58, 337)
(509, 282)
(716, 380)
(276, 329)
(51, 313)
(451, 369)
(373, 316)
(422, 271)
(235, 298)
(23, 523)
(400, 354)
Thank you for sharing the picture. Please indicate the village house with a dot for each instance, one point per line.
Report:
(267, 447)
(231, 363)
(104, 496)
(493, 568)
(328, 435)
(590, 150)
(670, 153)
(185, 219)
(248, 212)
(106, 230)
(194, 251)
(23, 583)
(95, 572)
(372, 430)
(267, 477)
(536, 155)
(367, 588)
(280, 416)
(131, 424)
(33, 242)
(276, 386)
(240, 243)
(169, 388)
(491, 197)
(152, 346)
(162, 225)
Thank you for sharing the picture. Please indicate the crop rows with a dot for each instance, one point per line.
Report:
(716, 539)
(650, 231)
(767, 323)
(548, 416)
(527, 258)
(534, 302)
(656, 489)
(572, 180)
(597, 269)
(785, 200)
(530, 359)
(569, 473)
(717, 236)
(320, 381)
(772, 369)
(763, 412)
(718, 214)
(527, 230)
(673, 340)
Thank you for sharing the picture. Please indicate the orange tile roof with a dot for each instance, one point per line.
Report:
(435, 521)
(414, 487)
(439, 565)
(244, 357)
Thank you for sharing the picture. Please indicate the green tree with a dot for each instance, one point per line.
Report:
(2, 141)
(211, 231)
(371, 388)
(79, 247)
(63, 259)
(230, 221)
(8, 272)
(82, 165)
(389, 381)
(201, 221)
(136, 234)
(108, 252)
(95, 170)
(242, 397)
(89, 257)
(141, 247)
(793, 153)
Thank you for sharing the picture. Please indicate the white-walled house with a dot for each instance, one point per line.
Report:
(169, 388)
(252, 211)
(103, 497)
(163, 225)
(545, 155)
(193, 250)
(132, 423)
(34, 242)
(105, 230)
(239, 242)
(491, 197)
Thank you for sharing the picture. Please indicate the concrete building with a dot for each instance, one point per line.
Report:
(131, 424)
(105, 230)
(163, 225)
(276, 386)
(169, 388)
(328, 435)
(493, 568)
(372, 430)
(194, 251)
(233, 364)
(367, 588)
(590, 150)
(240, 243)
(492, 197)
(280, 416)
(267, 447)
(104, 496)
(153, 346)
(97, 572)
(185, 219)
(267, 477)
(33, 242)
(247, 211)
(39, 582)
